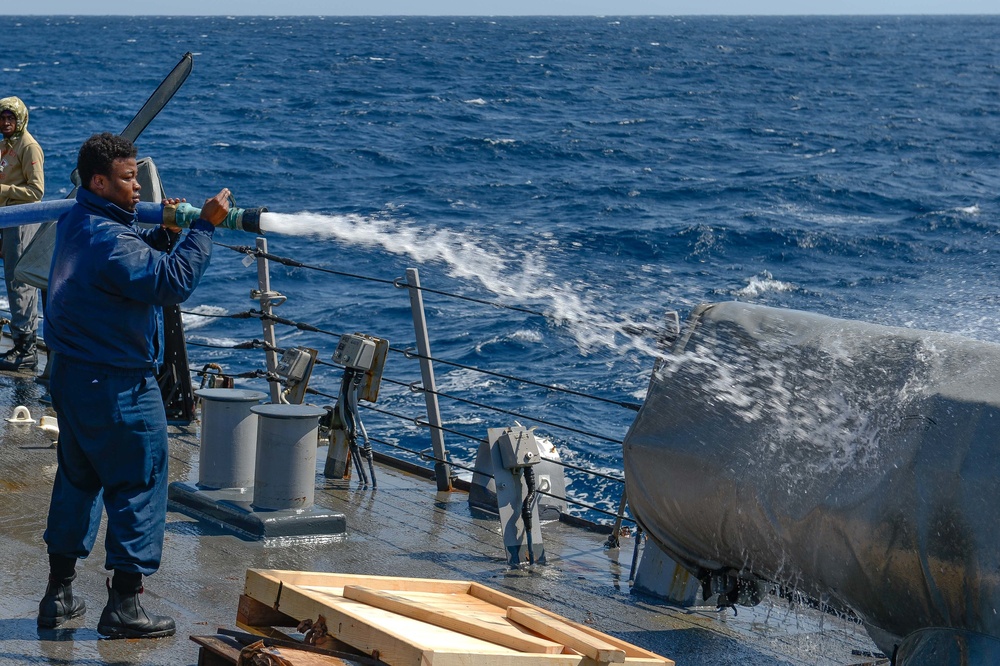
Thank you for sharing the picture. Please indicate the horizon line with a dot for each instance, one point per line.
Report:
(487, 16)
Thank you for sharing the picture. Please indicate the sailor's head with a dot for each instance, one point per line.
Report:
(107, 168)
(13, 116)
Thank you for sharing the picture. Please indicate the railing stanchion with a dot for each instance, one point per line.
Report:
(442, 470)
(614, 540)
(264, 283)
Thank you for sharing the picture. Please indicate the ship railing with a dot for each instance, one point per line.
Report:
(430, 418)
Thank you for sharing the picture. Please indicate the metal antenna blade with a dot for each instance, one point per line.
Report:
(170, 85)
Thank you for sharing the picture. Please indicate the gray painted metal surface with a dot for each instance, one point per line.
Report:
(285, 476)
(852, 462)
(228, 451)
(442, 470)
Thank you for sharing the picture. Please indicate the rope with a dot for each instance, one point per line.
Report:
(410, 353)
(425, 456)
(501, 410)
(569, 500)
(399, 283)
(423, 424)
(254, 252)
(584, 505)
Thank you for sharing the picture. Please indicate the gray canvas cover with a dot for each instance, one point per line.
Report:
(856, 463)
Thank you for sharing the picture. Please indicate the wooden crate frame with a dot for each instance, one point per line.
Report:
(439, 622)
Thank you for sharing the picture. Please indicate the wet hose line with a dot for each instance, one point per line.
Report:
(529, 498)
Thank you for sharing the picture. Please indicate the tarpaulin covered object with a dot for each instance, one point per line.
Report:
(854, 462)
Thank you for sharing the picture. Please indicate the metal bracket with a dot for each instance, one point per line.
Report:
(272, 298)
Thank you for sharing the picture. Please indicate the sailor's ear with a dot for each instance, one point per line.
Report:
(98, 183)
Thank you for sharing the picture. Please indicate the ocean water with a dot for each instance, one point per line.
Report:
(595, 172)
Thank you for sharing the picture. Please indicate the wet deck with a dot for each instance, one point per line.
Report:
(404, 528)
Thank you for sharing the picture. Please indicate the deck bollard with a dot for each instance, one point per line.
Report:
(286, 456)
(228, 437)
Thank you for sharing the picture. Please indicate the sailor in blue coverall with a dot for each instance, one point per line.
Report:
(107, 279)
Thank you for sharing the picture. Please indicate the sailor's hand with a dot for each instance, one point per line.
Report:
(216, 209)
(172, 202)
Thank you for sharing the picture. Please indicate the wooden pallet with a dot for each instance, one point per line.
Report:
(417, 621)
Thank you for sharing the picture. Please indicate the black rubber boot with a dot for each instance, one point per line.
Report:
(124, 616)
(59, 605)
(22, 356)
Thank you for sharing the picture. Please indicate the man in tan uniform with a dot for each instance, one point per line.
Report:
(21, 181)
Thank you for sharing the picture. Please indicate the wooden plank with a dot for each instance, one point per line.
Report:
(350, 656)
(495, 597)
(256, 614)
(573, 638)
(337, 580)
(290, 655)
(501, 633)
(498, 598)
(458, 603)
(264, 632)
(264, 588)
(217, 650)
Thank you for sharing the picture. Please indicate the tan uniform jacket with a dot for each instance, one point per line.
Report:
(22, 177)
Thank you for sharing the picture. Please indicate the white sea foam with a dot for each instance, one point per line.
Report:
(828, 151)
(462, 379)
(761, 284)
(200, 316)
(524, 335)
(221, 343)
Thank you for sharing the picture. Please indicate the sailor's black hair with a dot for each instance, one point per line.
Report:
(99, 152)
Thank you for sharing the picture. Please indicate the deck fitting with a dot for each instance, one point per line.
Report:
(232, 508)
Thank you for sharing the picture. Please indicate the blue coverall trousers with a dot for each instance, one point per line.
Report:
(112, 442)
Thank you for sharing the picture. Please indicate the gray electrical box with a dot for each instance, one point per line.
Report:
(295, 364)
(518, 448)
(295, 367)
(355, 351)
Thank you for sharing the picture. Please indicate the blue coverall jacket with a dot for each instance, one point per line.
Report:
(106, 281)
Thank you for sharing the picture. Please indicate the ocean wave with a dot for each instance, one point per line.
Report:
(519, 336)
(201, 315)
(762, 284)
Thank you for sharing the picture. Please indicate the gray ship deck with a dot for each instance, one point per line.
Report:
(405, 528)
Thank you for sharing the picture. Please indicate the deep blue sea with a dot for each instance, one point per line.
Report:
(598, 171)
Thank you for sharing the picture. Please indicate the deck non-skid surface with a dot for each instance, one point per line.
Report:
(404, 528)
